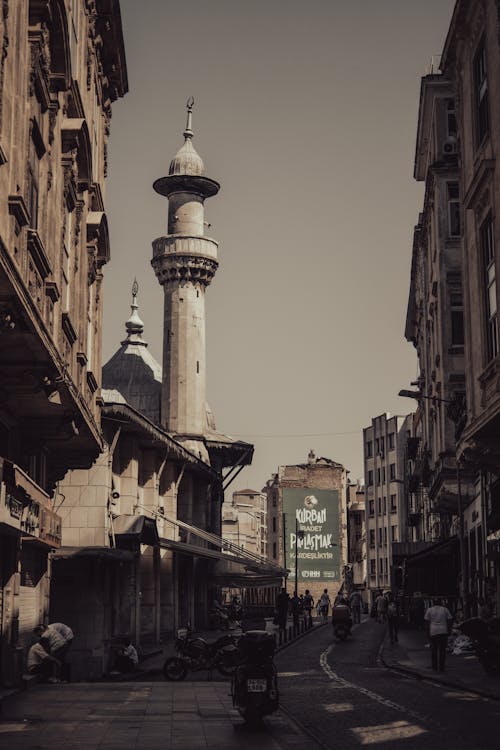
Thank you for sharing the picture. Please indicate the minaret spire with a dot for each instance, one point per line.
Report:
(188, 133)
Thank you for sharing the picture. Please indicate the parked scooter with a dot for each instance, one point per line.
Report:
(341, 621)
(197, 654)
(254, 684)
(485, 637)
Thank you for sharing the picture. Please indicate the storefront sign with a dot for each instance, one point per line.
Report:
(314, 514)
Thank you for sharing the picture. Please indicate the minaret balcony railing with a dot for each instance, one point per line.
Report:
(178, 244)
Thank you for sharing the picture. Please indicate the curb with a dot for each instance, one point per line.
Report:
(419, 675)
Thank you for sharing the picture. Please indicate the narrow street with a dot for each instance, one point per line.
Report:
(345, 697)
(333, 695)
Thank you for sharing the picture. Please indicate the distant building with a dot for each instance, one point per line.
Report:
(62, 66)
(383, 446)
(244, 521)
(356, 524)
(307, 520)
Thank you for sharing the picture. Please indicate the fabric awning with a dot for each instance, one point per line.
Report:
(136, 528)
(197, 550)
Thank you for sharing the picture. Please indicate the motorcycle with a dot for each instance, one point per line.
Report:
(197, 654)
(341, 621)
(254, 684)
(485, 638)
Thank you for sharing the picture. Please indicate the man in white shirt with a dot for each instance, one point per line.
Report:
(57, 637)
(438, 620)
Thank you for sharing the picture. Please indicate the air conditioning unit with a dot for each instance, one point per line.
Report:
(450, 146)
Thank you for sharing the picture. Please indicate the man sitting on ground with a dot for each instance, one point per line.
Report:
(42, 663)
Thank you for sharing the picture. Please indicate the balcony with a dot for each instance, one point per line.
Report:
(25, 508)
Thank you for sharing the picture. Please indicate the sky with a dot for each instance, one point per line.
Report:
(306, 113)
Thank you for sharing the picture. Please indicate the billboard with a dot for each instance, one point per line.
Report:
(311, 529)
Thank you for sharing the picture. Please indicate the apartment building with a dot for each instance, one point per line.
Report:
(383, 450)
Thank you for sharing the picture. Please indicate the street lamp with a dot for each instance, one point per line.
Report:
(455, 416)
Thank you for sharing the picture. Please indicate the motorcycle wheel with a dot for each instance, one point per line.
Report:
(341, 634)
(252, 717)
(174, 669)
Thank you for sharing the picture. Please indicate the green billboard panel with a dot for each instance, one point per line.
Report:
(311, 532)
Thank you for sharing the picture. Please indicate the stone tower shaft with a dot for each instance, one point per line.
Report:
(185, 262)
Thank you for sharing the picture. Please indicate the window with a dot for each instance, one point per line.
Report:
(451, 120)
(453, 198)
(373, 569)
(385, 565)
(371, 506)
(372, 537)
(380, 537)
(392, 471)
(381, 566)
(481, 93)
(275, 555)
(274, 500)
(385, 505)
(274, 523)
(394, 506)
(457, 319)
(385, 535)
(394, 533)
(488, 252)
(370, 478)
(369, 448)
(378, 476)
(390, 441)
(383, 474)
(32, 187)
(382, 444)
(377, 445)
(380, 506)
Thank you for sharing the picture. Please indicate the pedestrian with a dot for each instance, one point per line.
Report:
(127, 658)
(438, 620)
(295, 605)
(39, 661)
(58, 637)
(282, 605)
(381, 603)
(308, 605)
(392, 617)
(324, 605)
(355, 601)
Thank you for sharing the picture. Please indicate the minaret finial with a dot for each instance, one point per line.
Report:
(188, 133)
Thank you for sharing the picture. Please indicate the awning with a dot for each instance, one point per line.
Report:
(142, 529)
(431, 555)
(103, 553)
(197, 550)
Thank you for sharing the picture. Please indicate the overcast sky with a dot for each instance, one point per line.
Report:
(306, 113)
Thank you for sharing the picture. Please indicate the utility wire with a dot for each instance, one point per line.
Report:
(299, 435)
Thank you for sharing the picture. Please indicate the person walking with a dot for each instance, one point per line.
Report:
(438, 620)
(308, 605)
(295, 605)
(355, 601)
(282, 604)
(381, 603)
(392, 617)
(324, 605)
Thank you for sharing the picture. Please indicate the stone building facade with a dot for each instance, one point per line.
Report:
(244, 521)
(356, 525)
(62, 66)
(458, 394)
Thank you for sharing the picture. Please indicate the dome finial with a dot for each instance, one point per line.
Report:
(134, 325)
(188, 133)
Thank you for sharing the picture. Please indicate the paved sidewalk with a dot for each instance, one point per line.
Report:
(149, 716)
(412, 655)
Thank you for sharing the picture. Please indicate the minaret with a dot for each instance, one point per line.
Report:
(185, 262)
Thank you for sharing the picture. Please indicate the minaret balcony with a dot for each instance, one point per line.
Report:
(179, 244)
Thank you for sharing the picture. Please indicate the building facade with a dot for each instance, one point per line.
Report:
(307, 521)
(386, 521)
(244, 521)
(62, 66)
(356, 524)
(452, 311)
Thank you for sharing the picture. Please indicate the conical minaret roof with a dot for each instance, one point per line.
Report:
(187, 160)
